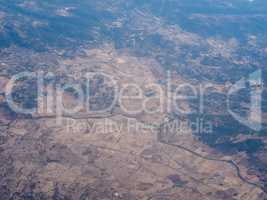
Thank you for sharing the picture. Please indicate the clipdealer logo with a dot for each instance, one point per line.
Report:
(253, 119)
(168, 100)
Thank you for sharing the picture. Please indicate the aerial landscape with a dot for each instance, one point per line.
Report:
(133, 100)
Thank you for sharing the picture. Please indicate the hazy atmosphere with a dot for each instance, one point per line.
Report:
(133, 100)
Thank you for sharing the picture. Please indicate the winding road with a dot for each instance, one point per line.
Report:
(230, 162)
